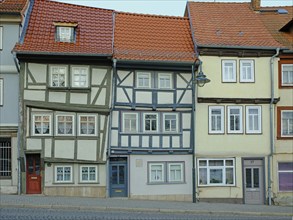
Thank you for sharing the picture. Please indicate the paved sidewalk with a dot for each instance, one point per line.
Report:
(121, 204)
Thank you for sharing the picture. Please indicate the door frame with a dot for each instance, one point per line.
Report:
(125, 161)
(264, 176)
(26, 171)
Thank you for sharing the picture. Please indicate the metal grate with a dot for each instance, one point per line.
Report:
(5, 157)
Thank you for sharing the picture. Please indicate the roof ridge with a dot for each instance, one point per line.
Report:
(152, 15)
(75, 5)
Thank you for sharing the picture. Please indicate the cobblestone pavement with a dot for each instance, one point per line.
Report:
(50, 214)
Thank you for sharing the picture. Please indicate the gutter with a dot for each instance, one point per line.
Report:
(167, 62)
(193, 115)
(109, 130)
(271, 125)
(238, 47)
(61, 54)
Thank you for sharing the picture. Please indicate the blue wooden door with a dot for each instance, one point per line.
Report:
(118, 179)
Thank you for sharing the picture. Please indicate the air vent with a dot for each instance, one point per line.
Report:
(282, 11)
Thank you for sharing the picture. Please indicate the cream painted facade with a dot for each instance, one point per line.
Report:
(243, 148)
(283, 149)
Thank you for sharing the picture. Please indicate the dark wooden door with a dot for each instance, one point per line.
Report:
(118, 180)
(33, 174)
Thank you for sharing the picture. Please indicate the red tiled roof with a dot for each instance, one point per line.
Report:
(94, 32)
(151, 37)
(228, 24)
(274, 21)
(12, 6)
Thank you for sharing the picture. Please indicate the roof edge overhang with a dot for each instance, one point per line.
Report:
(155, 64)
(61, 54)
(239, 47)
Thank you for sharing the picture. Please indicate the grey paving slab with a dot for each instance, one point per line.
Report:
(119, 204)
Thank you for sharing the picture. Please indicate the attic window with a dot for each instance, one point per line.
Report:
(65, 32)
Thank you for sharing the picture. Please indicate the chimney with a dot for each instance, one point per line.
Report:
(255, 5)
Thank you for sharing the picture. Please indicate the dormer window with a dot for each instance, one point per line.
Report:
(65, 32)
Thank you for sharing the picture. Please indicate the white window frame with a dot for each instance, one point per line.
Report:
(223, 168)
(181, 174)
(222, 109)
(164, 76)
(1, 37)
(149, 80)
(88, 175)
(66, 38)
(240, 120)
(284, 111)
(73, 68)
(177, 122)
(1, 92)
(259, 120)
(157, 122)
(123, 121)
(283, 171)
(242, 79)
(96, 124)
(65, 76)
(57, 122)
(162, 164)
(286, 84)
(42, 115)
(233, 79)
(63, 181)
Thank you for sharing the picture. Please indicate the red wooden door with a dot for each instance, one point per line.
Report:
(33, 174)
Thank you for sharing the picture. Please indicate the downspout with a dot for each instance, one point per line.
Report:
(109, 128)
(193, 114)
(271, 125)
(18, 127)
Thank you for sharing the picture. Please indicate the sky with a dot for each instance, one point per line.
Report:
(161, 7)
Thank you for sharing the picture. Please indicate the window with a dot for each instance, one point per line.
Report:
(285, 171)
(175, 172)
(287, 123)
(88, 173)
(87, 125)
(130, 122)
(5, 158)
(151, 122)
(219, 172)
(229, 70)
(246, 71)
(63, 174)
(235, 119)
(170, 122)
(41, 124)
(65, 125)
(143, 80)
(165, 81)
(156, 172)
(166, 172)
(65, 34)
(287, 74)
(1, 92)
(216, 119)
(1, 38)
(58, 76)
(79, 77)
(253, 119)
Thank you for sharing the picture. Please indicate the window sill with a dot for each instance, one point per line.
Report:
(91, 183)
(217, 185)
(156, 89)
(151, 133)
(165, 183)
(63, 183)
(284, 138)
(71, 89)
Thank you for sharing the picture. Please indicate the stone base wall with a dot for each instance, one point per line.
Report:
(183, 198)
(284, 200)
(8, 189)
(222, 200)
(82, 191)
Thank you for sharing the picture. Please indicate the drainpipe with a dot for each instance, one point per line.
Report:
(271, 125)
(109, 128)
(18, 128)
(193, 137)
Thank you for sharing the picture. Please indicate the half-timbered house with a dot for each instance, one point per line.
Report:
(65, 80)
(150, 152)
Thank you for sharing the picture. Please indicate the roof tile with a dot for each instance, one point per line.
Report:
(93, 33)
(228, 24)
(12, 6)
(151, 37)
